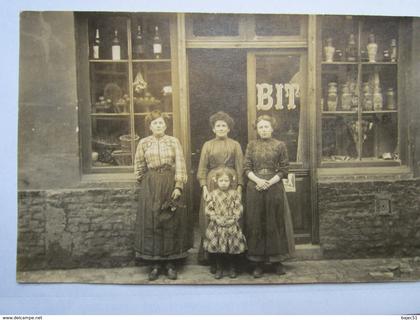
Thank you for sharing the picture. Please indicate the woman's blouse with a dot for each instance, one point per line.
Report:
(268, 154)
(220, 152)
(154, 153)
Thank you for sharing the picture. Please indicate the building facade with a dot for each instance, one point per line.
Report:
(342, 88)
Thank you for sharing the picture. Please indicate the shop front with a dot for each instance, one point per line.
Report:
(342, 90)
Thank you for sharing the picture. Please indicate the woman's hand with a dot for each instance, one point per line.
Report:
(206, 194)
(262, 184)
(274, 180)
(176, 193)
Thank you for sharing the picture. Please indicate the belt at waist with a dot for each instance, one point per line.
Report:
(265, 171)
(165, 167)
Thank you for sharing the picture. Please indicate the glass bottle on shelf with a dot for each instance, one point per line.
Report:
(390, 99)
(351, 50)
(139, 44)
(332, 96)
(329, 50)
(116, 48)
(157, 44)
(393, 50)
(372, 48)
(96, 45)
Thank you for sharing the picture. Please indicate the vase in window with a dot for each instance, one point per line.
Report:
(329, 50)
(372, 48)
(332, 96)
(367, 97)
(346, 97)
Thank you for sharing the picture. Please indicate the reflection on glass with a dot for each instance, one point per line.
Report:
(279, 86)
(213, 25)
(339, 138)
(152, 87)
(380, 136)
(110, 144)
(109, 88)
(277, 25)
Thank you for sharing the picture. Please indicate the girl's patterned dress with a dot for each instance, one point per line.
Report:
(223, 234)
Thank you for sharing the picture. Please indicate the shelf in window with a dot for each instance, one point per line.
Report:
(339, 63)
(338, 112)
(147, 113)
(379, 63)
(151, 60)
(380, 111)
(108, 61)
(110, 115)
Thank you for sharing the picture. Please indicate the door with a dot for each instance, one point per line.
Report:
(276, 85)
(246, 83)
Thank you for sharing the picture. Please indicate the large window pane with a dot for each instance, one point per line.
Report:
(277, 25)
(213, 25)
(280, 82)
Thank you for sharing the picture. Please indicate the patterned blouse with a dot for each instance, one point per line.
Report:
(153, 153)
(220, 152)
(269, 154)
(224, 207)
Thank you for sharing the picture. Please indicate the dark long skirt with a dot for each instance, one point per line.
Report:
(156, 239)
(268, 224)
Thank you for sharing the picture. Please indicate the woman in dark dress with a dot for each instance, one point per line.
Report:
(163, 230)
(220, 152)
(268, 228)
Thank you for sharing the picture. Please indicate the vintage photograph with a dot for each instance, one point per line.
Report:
(204, 148)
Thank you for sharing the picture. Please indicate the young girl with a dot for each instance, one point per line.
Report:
(224, 239)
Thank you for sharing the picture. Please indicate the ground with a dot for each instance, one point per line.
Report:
(310, 271)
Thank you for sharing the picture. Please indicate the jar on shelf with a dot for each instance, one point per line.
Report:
(390, 99)
(372, 48)
(332, 96)
(351, 49)
(346, 97)
(329, 50)
(377, 99)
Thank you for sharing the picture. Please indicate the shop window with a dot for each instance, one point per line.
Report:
(359, 90)
(129, 61)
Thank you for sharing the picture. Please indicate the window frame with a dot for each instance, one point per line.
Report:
(83, 65)
(402, 65)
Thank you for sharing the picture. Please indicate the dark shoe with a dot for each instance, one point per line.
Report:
(232, 272)
(154, 273)
(171, 271)
(280, 269)
(219, 274)
(258, 272)
(213, 268)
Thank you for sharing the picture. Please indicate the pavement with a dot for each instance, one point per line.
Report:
(297, 271)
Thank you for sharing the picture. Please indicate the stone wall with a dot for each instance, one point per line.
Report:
(355, 220)
(76, 228)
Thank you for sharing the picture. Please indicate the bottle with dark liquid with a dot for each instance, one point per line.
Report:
(351, 50)
(139, 52)
(157, 44)
(96, 45)
(116, 47)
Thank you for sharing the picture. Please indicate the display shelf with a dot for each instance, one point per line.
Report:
(108, 61)
(151, 60)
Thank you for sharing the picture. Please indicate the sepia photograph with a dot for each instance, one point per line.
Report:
(218, 148)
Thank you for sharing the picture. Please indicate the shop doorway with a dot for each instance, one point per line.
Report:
(217, 82)
(246, 83)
